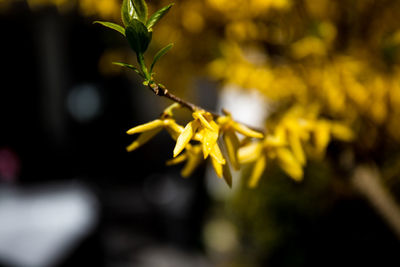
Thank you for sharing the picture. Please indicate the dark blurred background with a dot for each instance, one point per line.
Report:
(63, 126)
(70, 194)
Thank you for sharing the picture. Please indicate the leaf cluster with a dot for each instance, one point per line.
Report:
(138, 30)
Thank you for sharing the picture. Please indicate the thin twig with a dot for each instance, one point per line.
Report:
(160, 90)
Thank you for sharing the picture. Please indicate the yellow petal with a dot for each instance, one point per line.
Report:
(193, 161)
(258, 170)
(146, 127)
(289, 164)
(250, 152)
(209, 140)
(173, 128)
(246, 131)
(232, 144)
(295, 144)
(169, 110)
(185, 137)
(224, 120)
(199, 135)
(322, 136)
(142, 139)
(342, 132)
(217, 167)
(217, 155)
(176, 160)
(277, 139)
(199, 115)
(226, 172)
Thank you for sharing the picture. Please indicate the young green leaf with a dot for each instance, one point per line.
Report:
(159, 54)
(129, 66)
(141, 9)
(138, 36)
(158, 15)
(128, 12)
(113, 26)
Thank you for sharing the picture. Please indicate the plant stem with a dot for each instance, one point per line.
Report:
(142, 64)
(162, 91)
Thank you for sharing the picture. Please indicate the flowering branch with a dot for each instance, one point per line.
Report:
(198, 139)
(160, 90)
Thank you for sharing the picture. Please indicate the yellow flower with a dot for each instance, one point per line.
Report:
(150, 129)
(205, 130)
(289, 164)
(202, 129)
(274, 146)
(193, 157)
(258, 170)
(228, 128)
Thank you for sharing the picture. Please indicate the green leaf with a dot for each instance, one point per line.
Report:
(159, 54)
(129, 66)
(141, 9)
(158, 15)
(128, 12)
(138, 36)
(113, 26)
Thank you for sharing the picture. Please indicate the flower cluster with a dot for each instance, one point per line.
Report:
(198, 140)
(296, 135)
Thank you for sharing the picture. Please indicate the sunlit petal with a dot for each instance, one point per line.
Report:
(185, 137)
(217, 167)
(142, 139)
(217, 155)
(146, 127)
(209, 140)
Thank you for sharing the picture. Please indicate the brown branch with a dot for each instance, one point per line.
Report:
(160, 90)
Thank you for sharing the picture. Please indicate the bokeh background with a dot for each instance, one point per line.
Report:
(70, 194)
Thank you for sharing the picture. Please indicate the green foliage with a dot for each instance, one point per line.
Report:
(113, 26)
(159, 54)
(138, 36)
(157, 16)
(138, 32)
(127, 12)
(140, 9)
(129, 66)
(133, 9)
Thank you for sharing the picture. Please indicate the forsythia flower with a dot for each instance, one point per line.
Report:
(198, 140)
(205, 132)
(231, 140)
(150, 129)
(193, 157)
(286, 144)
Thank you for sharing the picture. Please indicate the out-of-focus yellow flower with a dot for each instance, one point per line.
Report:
(285, 144)
(308, 46)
